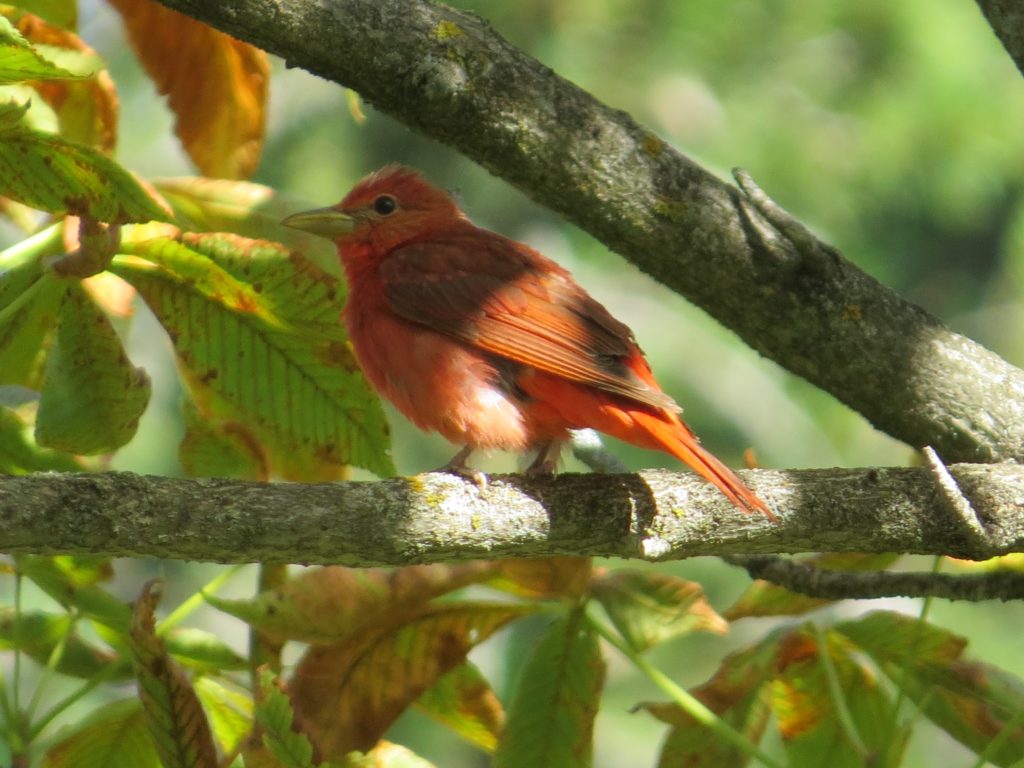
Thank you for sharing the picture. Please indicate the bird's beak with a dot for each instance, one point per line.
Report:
(325, 222)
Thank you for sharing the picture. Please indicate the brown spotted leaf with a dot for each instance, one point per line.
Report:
(648, 608)
(972, 701)
(259, 342)
(349, 694)
(329, 605)
(174, 714)
(216, 85)
(52, 174)
(220, 448)
(29, 303)
(807, 712)
(738, 693)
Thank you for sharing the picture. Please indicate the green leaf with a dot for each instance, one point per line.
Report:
(229, 711)
(19, 453)
(114, 736)
(259, 342)
(20, 61)
(29, 304)
(52, 174)
(37, 634)
(202, 649)
(648, 608)
(55, 577)
(174, 715)
(275, 715)
(93, 397)
(462, 699)
(972, 701)
(551, 718)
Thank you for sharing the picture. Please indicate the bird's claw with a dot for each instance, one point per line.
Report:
(458, 466)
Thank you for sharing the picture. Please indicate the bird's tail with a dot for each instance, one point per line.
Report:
(667, 432)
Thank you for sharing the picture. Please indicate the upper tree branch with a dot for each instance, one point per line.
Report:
(651, 515)
(1007, 19)
(450, 75)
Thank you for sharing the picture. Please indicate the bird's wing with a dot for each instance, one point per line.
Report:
(504, 298)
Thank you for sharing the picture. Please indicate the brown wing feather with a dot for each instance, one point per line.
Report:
(509, 300)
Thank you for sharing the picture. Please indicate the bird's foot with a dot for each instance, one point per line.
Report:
(458, 466)
(547, 459)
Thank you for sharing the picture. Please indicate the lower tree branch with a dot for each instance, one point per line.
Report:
(446, 73)
(652, 515)
(843, 585)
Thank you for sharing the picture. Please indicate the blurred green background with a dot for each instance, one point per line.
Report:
(893, 129)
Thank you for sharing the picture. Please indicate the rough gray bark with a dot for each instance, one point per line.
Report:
(652, 515)
(794, 299)
(1007, 20)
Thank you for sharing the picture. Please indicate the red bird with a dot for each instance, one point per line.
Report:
(486, 341)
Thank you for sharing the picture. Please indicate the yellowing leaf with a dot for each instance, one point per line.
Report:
(229, 712)
(388, 755)
(92, 396)
(247, 209)
(216, 85)
(173, 713)
(259, 342)
(808, 714)
(462, 699)
(544, 577)
(648, 608)
(329, 605)
(87, 109)
(113, 737)
(348, 695)
(551, 718)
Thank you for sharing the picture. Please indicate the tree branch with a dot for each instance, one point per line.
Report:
(843, 585)
(652, 515)
(797, 301)
(1006, 18)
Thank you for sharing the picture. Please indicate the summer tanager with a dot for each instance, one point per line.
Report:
(486, 341)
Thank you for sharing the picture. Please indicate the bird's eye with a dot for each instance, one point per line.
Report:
(385, 204)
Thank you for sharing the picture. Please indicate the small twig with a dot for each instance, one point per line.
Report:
(843, 585)
(783, 221)
(588, 448)
(955, 501)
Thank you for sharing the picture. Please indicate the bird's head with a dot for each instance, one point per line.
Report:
(388, 208)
